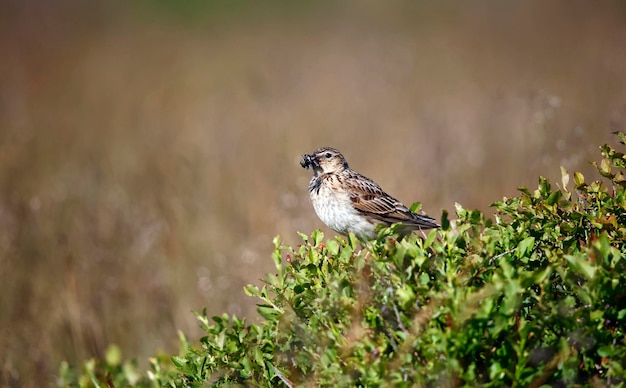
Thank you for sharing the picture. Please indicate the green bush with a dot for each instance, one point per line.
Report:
(536, 296)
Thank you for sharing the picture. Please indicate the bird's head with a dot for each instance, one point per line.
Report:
(324, 160)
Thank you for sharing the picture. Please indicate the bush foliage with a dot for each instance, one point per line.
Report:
(534, 297)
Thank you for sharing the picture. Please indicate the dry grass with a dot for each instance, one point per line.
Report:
(148, 156)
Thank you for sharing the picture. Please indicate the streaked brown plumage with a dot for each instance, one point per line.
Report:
(347, 201)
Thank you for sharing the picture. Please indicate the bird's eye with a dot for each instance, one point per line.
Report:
(328, 155)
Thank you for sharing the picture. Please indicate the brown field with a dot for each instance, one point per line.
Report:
(149, 153)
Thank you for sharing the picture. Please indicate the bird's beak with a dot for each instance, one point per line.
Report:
(308, 161)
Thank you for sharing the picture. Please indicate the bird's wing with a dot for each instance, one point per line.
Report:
(370, 199)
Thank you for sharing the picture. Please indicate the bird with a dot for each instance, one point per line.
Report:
(348, 202)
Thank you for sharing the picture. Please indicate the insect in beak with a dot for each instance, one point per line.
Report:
(307, 161)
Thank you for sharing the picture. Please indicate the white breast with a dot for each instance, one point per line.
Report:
(335, 210)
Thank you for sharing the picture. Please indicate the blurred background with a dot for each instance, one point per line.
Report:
(149, 150)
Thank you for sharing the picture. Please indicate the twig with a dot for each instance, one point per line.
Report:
(500, 255)
(400, 325)
(282, 377)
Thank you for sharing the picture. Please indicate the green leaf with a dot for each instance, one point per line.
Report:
(460, 212)
(606, 351)
(554, 197)
(579, 179)
(353, 240)
(359, 262)
(277, 257)
(445, 222)
(541, 276)
(247, 365)
(581, 266)
(564, 177)
(603, 246)
(113, 355)
(318, 237)
(415, 207)
(178, 361)
(303, 236)
(346, 253)
(525, 246)
(430, 238)
(268, 312)
(507, 270)
(333, 247)
(406, 296)
(258, 357)
(252, 290)
(621, 135)
(605, 167)
(276, 242)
